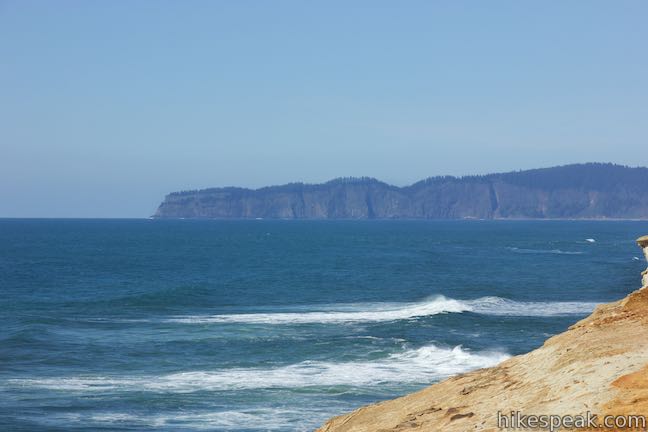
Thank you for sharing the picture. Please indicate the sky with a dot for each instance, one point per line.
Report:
(107, 106)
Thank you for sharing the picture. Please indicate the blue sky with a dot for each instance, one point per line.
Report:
(107, 106)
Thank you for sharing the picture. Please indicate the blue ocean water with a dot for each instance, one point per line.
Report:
(129, 325)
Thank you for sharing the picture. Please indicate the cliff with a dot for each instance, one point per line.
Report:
(600, 365)
(573, 191)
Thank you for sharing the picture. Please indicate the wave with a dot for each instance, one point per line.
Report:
(544, 251)
(499, 306)
(267, 419)
(378, 312)
(344, 313)
(300, 418)
(418, 366)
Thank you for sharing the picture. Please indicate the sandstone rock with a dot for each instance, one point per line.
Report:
(643, 243)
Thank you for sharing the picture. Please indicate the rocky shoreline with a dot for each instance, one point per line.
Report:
(599, 365)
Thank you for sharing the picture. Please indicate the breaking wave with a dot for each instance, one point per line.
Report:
(267, 419)
(373, 312)
(504, 307)
(417, 366)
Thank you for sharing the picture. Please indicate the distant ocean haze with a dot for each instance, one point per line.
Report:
(182, 325)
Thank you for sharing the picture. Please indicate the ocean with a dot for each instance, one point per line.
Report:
(260, 325)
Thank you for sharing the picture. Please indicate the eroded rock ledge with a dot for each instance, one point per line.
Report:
(599, 365)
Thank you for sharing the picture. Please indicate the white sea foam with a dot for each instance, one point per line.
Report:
(343, 313)
(423, 365)
(544, 251)
(265, 419)
(376, 312)
(270, 419)
(504, 307)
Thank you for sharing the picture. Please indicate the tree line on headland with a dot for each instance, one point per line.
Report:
(578, 191)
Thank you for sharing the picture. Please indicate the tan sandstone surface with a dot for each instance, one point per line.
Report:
(599, 365)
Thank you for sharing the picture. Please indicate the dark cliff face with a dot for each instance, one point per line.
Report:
(571, 191)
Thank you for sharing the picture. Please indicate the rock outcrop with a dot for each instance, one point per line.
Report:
(643, 244)
(586, 191)
(600, 366)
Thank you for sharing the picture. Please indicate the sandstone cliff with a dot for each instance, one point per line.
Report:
(572, 191)
(599, 365)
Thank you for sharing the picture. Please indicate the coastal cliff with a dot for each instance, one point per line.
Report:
(582, 191)
(599, 365)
